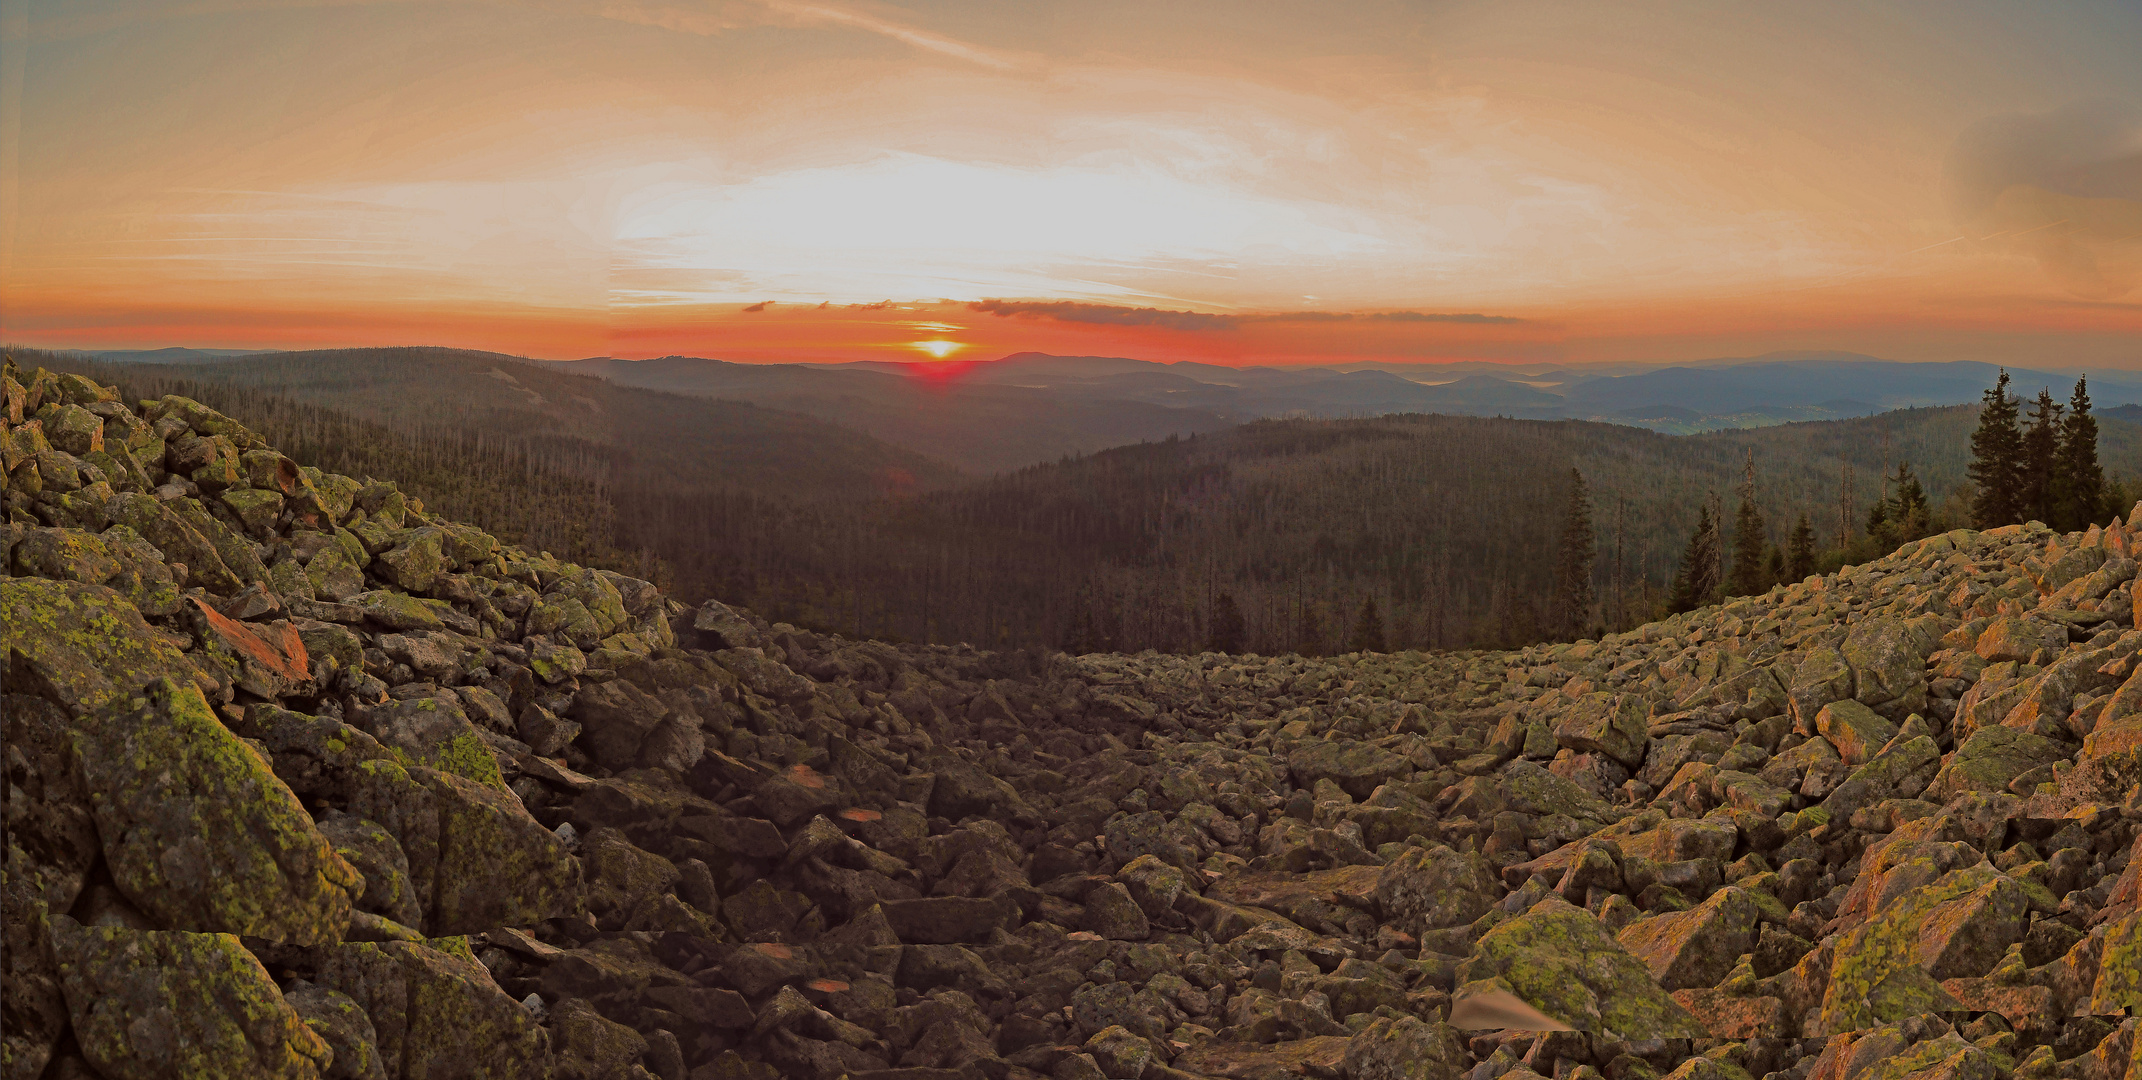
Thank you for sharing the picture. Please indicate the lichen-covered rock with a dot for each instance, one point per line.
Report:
(267, 660)
(1695, 948)
(1855, 730)
(432, 730)
(2019, 637)
(723, 628)
(342, 1024)
(1405, 1048)
(1610, 724)
(197, 829)
(2119, 968)
(1900, 771)
(1430, 888)
(436, 1015)
(1888, 658)
(85, 646)
(416, 560)
(589, 1046)
(375, 853)
(621, 877)
(1890, 966)
(615, 719)
(473, 851)
(1991, 759)
(151, 1004)
(1558, 959)
(1358, 768)
(1111, 913)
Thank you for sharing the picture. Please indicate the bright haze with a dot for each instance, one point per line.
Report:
(1539, 181)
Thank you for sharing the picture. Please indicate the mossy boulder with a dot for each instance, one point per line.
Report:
(177, 540)
(257, 509)
(1901, 770)
(1888, 658)
(237, 552)
(368, 846)
(1991, 759)
(475, 856)
(1358, 768)
(595, 595)
(1856, 731)
(436, 1014)
(342, 1024)
(1406, 1048)
(621, 877)
(565, 618)
(2119, 968)
(1430, 888)
(1889, 967)
(416, 561)
(433, 731)
(315, 755)
(400, 611)
(148, 1003)
(197, 830)
(555, 661)
(1695, 948)
(1610, 724)
(591, 1045)
(75, 429)
(336, 574)
(83, 646)
(1561, 960)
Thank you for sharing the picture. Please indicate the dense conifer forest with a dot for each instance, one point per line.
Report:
(1310, 536)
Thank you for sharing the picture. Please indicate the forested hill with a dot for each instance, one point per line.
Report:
(1451, 523)
(694, 492)
(980, 426)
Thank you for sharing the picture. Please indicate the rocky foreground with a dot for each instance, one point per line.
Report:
(304, 782)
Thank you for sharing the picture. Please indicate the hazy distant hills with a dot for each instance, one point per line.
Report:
(978, 424)
(1027, 408)
(1032, 407)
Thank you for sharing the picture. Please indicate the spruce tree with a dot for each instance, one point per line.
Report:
(1573, 569)
(1748, 538)
(1774, 567)
(1909, 516)
(1996, 460)
(1309, 633)
(1227, 628)
(1697, 582)
(1368, 630)
(2041, 458)
(1800, 559)
(2079, 480)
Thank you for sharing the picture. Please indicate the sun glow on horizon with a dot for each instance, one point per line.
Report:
(937, 348)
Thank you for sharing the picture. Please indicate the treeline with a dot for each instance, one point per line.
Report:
(2047, 471)
(1276, 536)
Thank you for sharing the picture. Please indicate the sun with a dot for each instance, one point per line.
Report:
(938, 348)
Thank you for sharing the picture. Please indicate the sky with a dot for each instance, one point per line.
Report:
(1526, 181)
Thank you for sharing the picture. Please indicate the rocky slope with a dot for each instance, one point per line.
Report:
(303, 782)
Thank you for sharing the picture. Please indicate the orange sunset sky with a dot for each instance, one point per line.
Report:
(1241, 182)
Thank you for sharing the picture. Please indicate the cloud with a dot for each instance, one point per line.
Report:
(719, 16)
(1109, 314)
(1473, 318)
(2064, 186)
(1106, 314)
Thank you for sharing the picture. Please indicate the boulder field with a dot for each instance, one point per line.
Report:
(304, 782)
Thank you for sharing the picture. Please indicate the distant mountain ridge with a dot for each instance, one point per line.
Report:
(991, 416)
